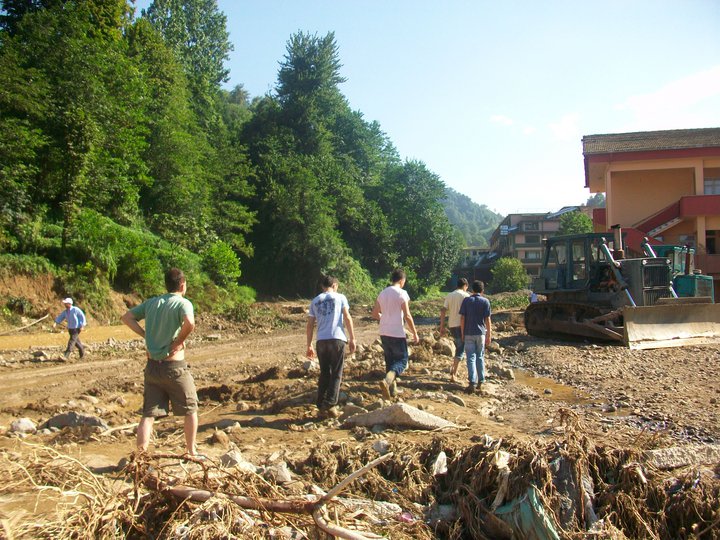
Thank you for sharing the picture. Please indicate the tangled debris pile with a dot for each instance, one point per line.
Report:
(494, 489)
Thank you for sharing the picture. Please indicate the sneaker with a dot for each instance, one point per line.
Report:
(385, 389)
(470, 389)
(478, 389)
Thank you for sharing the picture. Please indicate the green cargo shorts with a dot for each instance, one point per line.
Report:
(169, 383)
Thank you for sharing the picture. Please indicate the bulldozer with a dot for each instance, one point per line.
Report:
(593, 292)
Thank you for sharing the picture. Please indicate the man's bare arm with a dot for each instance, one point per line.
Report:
(178, 343)
(309, 330)
(488, 331)
(410, 322)
(377, 311)
(350, 328)
(443, 311)
(131, 322)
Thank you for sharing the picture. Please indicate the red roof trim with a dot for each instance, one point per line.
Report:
(654, 154)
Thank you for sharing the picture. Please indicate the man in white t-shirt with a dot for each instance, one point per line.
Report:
(392, 309)
(451, 307)
(330, 309)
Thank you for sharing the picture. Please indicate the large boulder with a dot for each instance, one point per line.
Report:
(74, 419)
(399, 415)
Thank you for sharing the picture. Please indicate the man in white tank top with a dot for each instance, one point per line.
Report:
(392, 309)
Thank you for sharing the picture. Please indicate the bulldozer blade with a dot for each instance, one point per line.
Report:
(672, 325)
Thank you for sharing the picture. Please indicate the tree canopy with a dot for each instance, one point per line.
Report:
(575, 223)
(121, 153)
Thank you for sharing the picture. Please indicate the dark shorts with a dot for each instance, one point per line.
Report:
(169, 383)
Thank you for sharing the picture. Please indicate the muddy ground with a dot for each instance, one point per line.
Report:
(255, 387)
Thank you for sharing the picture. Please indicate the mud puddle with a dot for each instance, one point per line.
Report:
(552, 390)
(59, 338)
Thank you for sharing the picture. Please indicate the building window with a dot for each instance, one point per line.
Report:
(712, 242)
(533, 255)
(532, 238)
(531, 226)
(712, 186)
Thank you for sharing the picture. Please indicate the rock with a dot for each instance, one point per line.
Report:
(120, 400)
(258, 421)
(242, 406)
(672, 458)
(42, 355)
(278, 473)
(376, 405)
(445, 346)
(234, 458)
(23, 425)
(494, 347)
(90, 399)
(74, 419)
(502, 372)
(456, 399)
(381, 447)
(440, 464)
(400, 415)
(221, 438)
(547, 391)
(428, 341)
(213, 337)
(350, 410)
(225, 423)
(311, 365)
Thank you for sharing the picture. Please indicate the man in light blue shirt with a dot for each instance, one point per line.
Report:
(330, 309)
(75, 323)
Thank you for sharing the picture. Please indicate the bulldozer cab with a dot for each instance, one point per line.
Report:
(574, 263)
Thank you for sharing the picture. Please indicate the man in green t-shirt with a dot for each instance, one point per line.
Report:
(169, 319)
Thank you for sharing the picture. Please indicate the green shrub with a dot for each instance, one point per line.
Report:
(31, 265)
(355, 282)
(508, 276)
(221, 263)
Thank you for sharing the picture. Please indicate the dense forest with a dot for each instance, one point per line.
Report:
(121, 154)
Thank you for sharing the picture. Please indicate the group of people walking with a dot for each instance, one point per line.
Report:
(468, 321)
(169, 320)
(468, 316)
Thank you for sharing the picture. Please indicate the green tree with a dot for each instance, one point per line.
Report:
(425, 241)
(508, 275)
(596, 201)
(308, 92)
(197, 31)
(93, 125)
(575, 223)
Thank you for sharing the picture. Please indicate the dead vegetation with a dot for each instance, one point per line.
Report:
(571, 488)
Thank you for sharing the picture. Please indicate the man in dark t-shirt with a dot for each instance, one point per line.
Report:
(476, 334)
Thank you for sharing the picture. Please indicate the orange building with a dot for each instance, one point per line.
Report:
(661, 184)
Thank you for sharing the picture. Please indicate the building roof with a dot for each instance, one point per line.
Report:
(651, 140)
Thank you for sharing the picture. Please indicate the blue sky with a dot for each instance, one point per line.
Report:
(494, 97)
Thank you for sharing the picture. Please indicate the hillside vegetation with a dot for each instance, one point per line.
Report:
(121, 154)
(476, 222)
